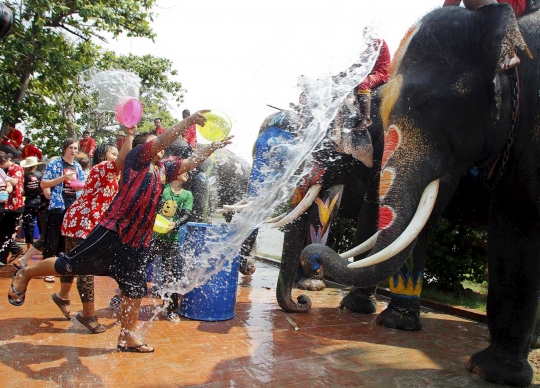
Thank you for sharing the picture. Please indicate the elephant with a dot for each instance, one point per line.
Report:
(452, 104)
(337, 180)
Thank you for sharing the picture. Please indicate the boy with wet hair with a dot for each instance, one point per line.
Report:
(176, 205)
(118, 246)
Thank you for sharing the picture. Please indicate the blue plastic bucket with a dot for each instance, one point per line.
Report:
(215, 300)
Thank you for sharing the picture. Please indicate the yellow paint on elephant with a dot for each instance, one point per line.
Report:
(390, 95)
(387, 178)
(297, 197)
(404, 285)
(325, 208)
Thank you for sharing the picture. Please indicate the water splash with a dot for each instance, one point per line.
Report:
(111, 85)
(323, 98)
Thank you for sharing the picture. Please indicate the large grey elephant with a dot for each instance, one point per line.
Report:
(452, 103)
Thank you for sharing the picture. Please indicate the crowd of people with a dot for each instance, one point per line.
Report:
(96, 211)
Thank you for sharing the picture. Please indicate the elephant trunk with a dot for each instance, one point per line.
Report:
(316, 256)
(289, 269)
(389, 254)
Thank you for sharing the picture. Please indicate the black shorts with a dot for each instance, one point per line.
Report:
(103, 254)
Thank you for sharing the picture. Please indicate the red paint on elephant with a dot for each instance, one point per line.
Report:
(386, 217)
(305, 184)
(392, 140)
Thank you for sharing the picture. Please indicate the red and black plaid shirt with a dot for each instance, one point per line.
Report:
(133, 211)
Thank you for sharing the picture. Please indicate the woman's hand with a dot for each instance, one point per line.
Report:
(197, 118)
(222, 143)
(131, 131)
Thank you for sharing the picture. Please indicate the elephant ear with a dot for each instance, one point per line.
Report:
(499, 35)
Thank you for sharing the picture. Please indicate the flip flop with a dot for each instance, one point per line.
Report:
(18, 267)
(135, 349)
(63, 305)
(86, 321)
(19, 296)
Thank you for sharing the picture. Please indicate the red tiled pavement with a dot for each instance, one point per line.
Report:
(257, 348)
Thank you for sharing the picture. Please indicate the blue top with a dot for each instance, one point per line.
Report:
(55, 169)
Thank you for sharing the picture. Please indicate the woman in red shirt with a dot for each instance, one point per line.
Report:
(79, 220)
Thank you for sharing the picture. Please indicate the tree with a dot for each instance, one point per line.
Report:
(158, 88)
(67, 113)
(50, 36)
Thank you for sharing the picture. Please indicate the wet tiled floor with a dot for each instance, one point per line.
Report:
(257, 348)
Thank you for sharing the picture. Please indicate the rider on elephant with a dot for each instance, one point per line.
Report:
(377, 77)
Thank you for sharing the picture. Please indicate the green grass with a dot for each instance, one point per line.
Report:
(473, 296)
(275, 257)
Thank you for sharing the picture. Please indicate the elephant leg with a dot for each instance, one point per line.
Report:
(247, 264)
(514, 286)
(403, 311)
(535, 339)
(293, 244)
(362, 300)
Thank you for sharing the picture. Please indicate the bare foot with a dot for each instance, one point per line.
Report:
(510, 62)
(128, 340)
(19, 281)
(364, 124)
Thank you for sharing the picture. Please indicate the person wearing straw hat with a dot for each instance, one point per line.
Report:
(33, 198)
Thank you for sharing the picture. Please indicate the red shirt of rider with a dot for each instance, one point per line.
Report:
(519, 6)
(379, 73)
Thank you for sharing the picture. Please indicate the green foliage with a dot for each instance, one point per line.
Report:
(456, 253)
(341, 237)
(49, 45)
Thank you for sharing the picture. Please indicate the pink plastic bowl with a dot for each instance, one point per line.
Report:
(77, 184)
(128, 111)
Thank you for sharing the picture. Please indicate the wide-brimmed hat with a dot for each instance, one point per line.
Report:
(30, 161)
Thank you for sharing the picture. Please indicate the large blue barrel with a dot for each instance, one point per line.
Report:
(215, 300)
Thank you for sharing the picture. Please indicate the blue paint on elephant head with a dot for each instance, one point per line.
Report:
(314, 261)
(271, 154)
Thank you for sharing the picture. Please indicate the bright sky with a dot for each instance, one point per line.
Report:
(240, 55)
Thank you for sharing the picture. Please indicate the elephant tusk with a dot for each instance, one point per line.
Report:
(364, 247)
(275, 219)
(304, 204)
(427, 201)
(237, 206)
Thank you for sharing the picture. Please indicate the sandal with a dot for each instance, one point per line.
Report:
(63, 305)
(115, 301)
(172, 317)
(86, 321)
(136, 349)
(19, 296)
(18, 267)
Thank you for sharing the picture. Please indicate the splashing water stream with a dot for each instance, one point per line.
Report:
(324, 97)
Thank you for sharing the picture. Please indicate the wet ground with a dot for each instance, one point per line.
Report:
(259, 347)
